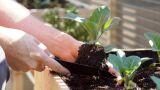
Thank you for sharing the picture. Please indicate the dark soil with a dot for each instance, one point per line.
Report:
(142, 77)
(92, 55)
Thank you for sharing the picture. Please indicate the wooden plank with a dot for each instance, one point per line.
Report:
(137, 17)
(17, 80)
(114, 7)
(46, 81)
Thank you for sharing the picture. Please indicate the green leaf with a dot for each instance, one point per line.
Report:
(99, 21)
(156, 81)
(107, 24)
(154, 40)
(100, 16)
(125, 65)
(116, 62)
(74, 17)
(90, 27)
(131, 63)
(145, 59)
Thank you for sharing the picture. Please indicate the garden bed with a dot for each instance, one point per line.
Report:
(81, 82)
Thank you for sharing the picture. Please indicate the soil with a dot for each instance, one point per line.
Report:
(92, 55)
(142, 77)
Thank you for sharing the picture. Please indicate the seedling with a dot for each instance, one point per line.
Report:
(154, 41)
(97, 23)
(126, 66)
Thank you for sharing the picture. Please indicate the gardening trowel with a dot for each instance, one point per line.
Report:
(81, 69)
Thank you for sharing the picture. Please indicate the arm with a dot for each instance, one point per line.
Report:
(24, 52)
(60, 44)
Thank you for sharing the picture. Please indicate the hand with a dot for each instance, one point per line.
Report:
(24, 52)
(62, 45)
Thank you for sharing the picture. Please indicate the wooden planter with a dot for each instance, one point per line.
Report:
(46, 81)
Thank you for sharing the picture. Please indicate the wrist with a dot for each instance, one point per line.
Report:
(77, 45)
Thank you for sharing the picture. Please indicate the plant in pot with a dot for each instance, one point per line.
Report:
(127, 67)
(92, 53)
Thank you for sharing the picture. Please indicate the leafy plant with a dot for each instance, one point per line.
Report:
(97, 23)
(126, 66)
(156, 81)
(154, 41)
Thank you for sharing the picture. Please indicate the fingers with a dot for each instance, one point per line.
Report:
(54, 65)
(51, 63)
(40, 67)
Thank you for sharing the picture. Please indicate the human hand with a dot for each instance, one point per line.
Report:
(24, 52)
(62, 45)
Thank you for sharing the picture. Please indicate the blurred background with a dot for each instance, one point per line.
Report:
(137, 17)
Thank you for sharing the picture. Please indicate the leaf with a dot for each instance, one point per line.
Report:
(154, 40)
(74, 17)
(156, 81)
(100, 16)
(90, 27)
(116, 62)
(131, 63)
(111, 23)
(125, 65)
(107, 24)
(95, 24)
(145, 59)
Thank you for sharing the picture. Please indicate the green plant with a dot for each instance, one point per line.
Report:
(97, 23)
(126, 66)
(156, 81)
(154, 41)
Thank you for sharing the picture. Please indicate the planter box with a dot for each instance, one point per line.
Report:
(138, 52)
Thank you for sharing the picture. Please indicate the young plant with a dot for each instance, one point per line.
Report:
(97, 23)
(126, 66)
(156, 81)
(154, 41)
